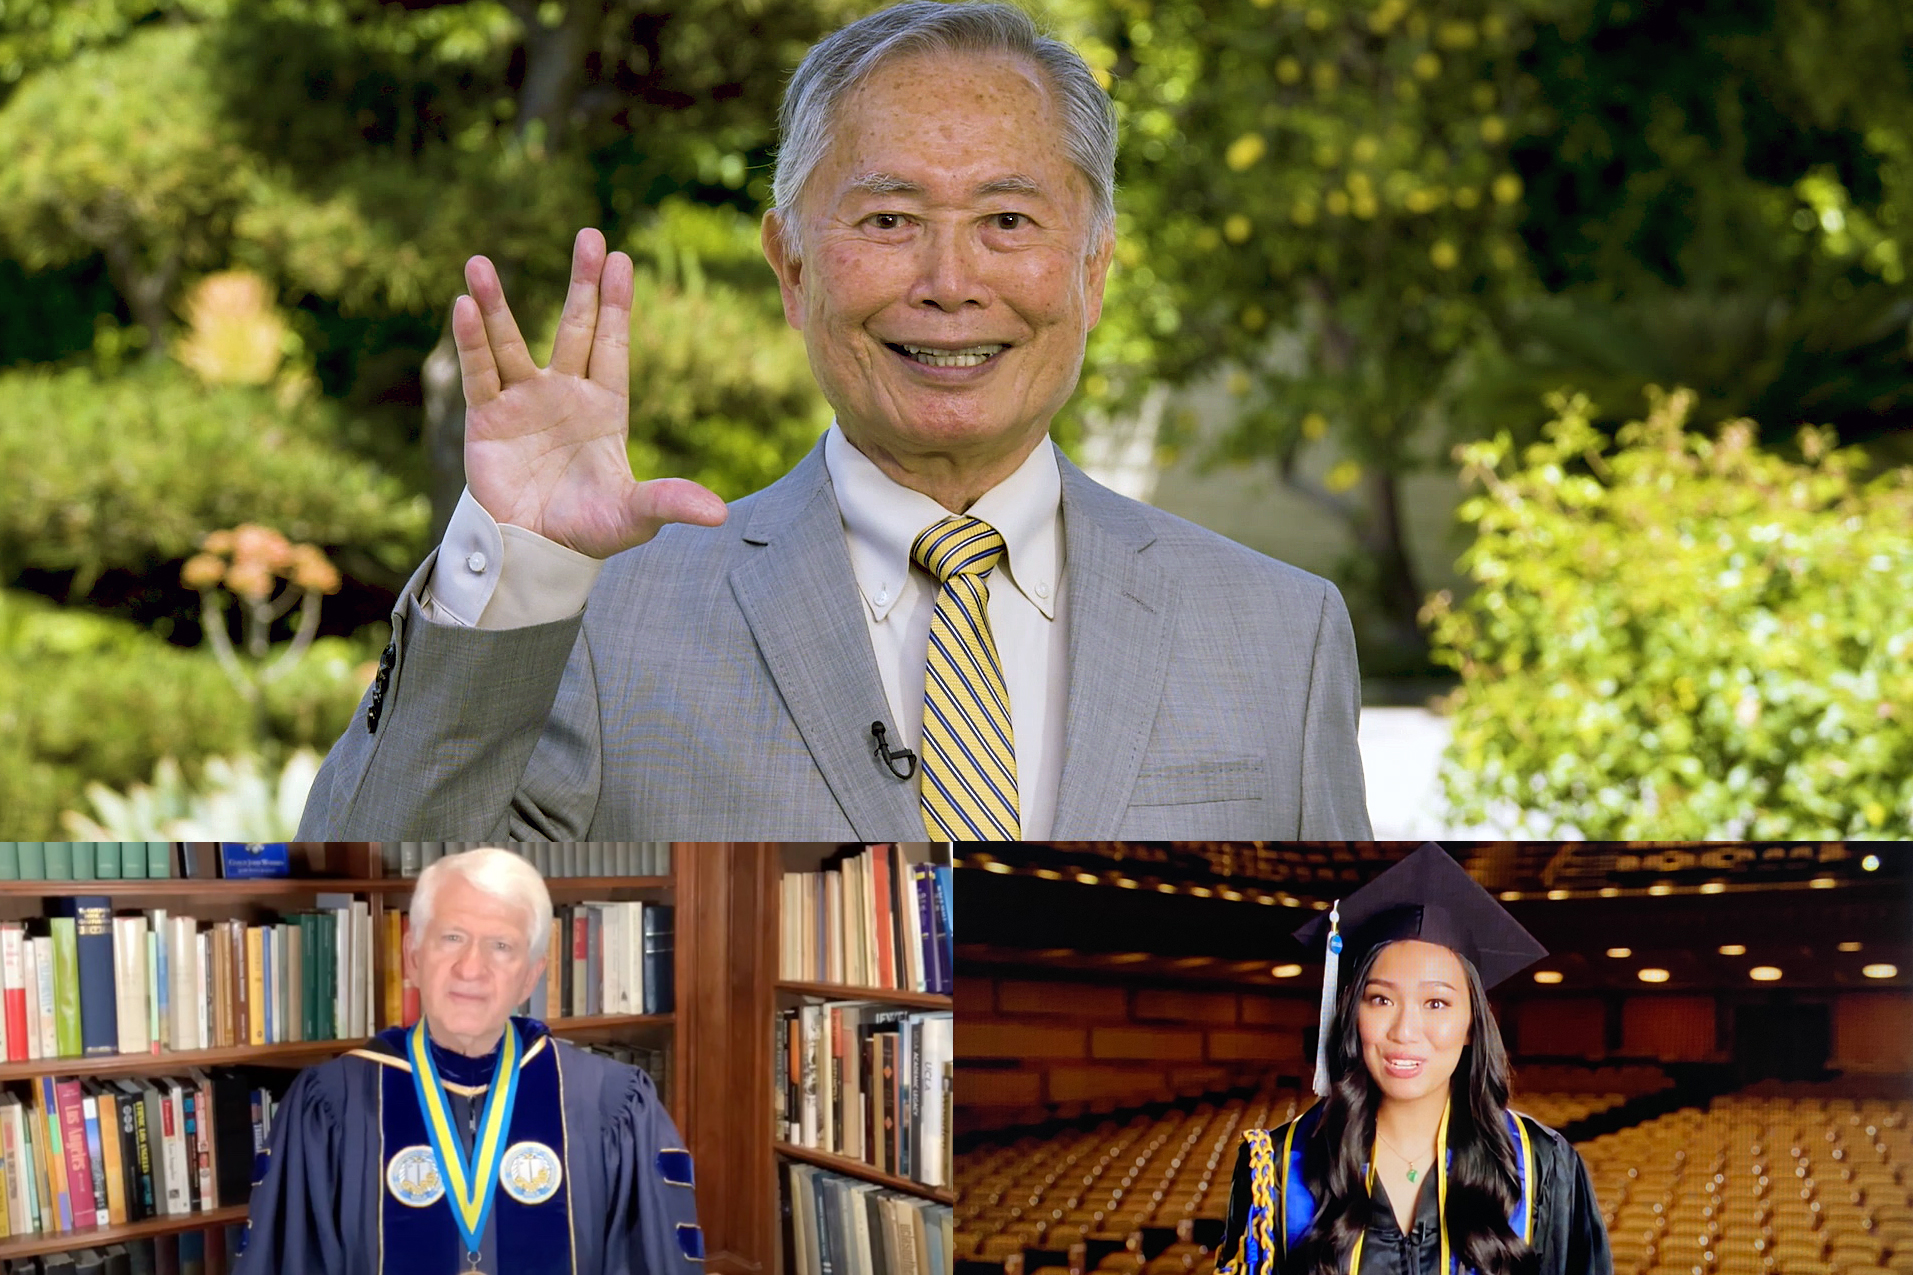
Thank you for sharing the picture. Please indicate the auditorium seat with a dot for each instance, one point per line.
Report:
(1763, 1182)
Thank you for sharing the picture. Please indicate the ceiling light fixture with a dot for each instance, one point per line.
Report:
(1764, 973)
(1652, 975)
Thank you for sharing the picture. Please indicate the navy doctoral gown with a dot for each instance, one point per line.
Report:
(317, 1209)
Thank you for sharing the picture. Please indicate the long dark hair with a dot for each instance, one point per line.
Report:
(1482, 1180)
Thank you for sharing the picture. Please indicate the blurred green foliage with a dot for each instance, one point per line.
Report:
(1389, 225)
(129, 471)
(1720, 196)
(1682, 636)
(121, 152)
(86, 698)
(1320, 201)
(236, 798)
(721, 390)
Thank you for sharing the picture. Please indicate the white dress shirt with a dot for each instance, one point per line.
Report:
(500, 577)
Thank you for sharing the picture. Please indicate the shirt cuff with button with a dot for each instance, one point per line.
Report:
(490, 576)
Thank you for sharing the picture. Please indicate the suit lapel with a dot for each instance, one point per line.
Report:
(798, 594)
(1121, 617)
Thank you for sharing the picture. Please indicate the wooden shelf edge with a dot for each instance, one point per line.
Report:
(178, 1060)
(287, 1053)
(858, 1169)
(845, 992)
(19, 1246)
(270, 887)
(610, 1020)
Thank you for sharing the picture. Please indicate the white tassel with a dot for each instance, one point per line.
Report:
(1330, 978)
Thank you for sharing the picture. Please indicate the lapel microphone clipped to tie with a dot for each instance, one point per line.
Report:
(891, 757)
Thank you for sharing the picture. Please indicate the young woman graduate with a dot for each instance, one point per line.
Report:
(1412, 1163)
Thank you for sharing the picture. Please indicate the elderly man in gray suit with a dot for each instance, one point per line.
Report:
(934, 623)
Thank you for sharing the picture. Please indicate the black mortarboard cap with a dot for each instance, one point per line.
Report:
(1428, 896)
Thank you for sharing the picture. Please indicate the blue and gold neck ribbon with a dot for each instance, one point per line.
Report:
(471, 1182)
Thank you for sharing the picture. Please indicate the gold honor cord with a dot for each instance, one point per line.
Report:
(471, 1185)
(1527, 1183)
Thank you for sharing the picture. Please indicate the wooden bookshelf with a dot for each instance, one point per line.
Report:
(19, 1246)
(288, 1054)
(853, 1168)
(788, 991)
(845, 992)
(292, 887)
(258, 899)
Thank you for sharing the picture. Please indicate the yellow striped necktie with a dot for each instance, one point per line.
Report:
(969, 749)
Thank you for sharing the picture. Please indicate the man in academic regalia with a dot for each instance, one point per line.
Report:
(475, 1140)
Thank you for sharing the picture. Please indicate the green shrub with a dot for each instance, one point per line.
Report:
(238, 799)
(721, 390)
(87, 699)
(1682, 637)
(130, 471)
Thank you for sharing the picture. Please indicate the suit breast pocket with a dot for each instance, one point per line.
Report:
(1201, 781)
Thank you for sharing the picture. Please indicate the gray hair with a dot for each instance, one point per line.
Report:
(499, 873)
(839, 63)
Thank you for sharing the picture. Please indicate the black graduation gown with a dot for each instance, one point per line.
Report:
(1568, 1231)
(316, 1210)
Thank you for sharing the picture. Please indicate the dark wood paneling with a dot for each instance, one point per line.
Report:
(727, 973)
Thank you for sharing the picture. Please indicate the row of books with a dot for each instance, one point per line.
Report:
(84, 982)
(607, 958)
(144, 860)
(556, 859)
(80, 1153)
(836, 1225)
(87, 860)
(869, 1081)
(212, 1251)
(869, 918)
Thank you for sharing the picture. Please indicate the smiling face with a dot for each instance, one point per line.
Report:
(472, 966)
(1413, 1019)
(944, 269)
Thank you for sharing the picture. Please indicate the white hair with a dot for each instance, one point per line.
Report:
(840, 62)
(501, 874)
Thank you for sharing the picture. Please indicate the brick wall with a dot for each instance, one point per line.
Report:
(1025, 1043)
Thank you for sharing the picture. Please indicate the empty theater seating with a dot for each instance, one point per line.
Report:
(1759, 1184)
(1767, 1184)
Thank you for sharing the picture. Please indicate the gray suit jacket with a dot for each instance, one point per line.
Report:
(720, 685)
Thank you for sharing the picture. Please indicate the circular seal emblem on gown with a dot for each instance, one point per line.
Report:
(412, 1178)
(530, 1172)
